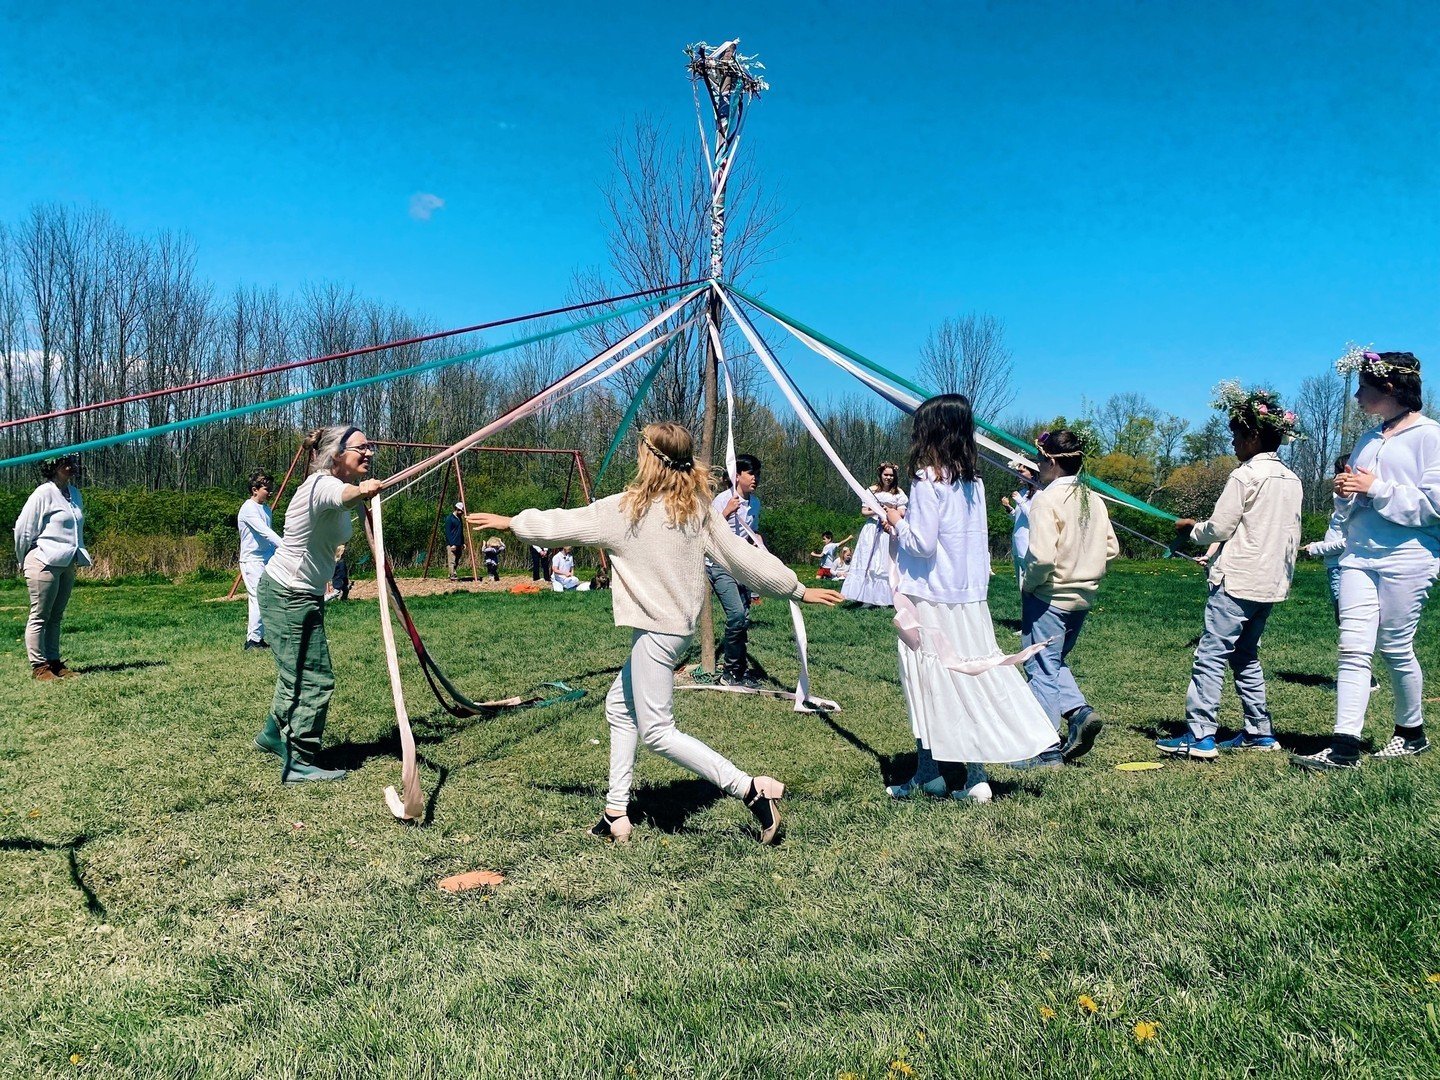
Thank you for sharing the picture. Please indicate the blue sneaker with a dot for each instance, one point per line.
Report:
(1049, 758)
(1188, 745)
(1246, 741)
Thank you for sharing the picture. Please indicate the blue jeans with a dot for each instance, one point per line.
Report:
(1232, 636)
(735, 599)
(1051, 680)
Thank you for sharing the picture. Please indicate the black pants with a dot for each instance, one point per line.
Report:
(539, 565)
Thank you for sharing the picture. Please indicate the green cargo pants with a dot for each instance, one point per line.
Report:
(295, 628)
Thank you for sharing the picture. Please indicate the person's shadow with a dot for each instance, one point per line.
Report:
(71, 848)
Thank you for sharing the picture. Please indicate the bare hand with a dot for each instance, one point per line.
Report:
(1354, 482)
(893, 516)
(828, 597)
(1006, 503)
(496, 522)
(370, 488)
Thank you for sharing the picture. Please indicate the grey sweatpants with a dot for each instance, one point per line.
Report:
(1232, 637)
(639, 708)
(49, 593)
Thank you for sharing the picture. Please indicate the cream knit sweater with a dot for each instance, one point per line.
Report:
(659, 581)
(1069, 550)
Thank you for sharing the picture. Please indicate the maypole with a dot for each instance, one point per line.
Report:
(729, 83)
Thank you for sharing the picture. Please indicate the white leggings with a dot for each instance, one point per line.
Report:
(1379, 610)
(639, 708)
(250, 571)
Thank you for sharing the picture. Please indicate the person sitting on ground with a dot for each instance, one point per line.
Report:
(49, 549)
(1389, 500)
(562, 571)
(826, 554)
(292, 598)
(455, 539)
(658, 532)
(1257, 520)
(1068, 550)
(493, 549)
(258, 542)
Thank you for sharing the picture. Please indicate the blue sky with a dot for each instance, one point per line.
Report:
(1151, 196)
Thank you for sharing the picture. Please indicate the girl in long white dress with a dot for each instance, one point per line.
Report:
(869, 579)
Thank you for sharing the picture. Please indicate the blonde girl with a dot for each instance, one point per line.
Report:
(658, 533)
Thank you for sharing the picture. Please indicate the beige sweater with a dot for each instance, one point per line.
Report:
(1068, 556)
(1257, 518)
(659, 581)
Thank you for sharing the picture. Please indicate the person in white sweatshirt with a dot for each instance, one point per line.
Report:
(1388, 499)
(1070, 547)
(967, 705)
(49, 548)
(659, 532)
(258, 542)
(1257, 522)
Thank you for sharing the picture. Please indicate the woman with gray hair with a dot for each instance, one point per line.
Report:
(292, 598)
(49, 548)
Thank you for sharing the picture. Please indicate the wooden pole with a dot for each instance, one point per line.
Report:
(469, 539)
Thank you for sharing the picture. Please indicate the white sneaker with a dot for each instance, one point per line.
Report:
(979, 793)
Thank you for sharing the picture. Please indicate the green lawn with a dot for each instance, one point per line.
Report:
(168, 909)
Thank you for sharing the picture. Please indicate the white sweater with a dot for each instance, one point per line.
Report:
(1402, 511)
(659, 581)
(944, 542)
(258, 539)
(53, 525)
(1257, 519)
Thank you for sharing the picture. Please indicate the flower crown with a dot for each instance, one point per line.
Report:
(666, 459)
(1366, 362)
(1255, 409)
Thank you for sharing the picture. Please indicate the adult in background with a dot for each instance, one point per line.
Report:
(292, 597)
(739, 507)
(455, 539)
(869, 579)
(539, 562)
(258, 542)
(1388, 499)
(49, 548)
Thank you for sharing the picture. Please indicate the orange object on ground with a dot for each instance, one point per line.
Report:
(475, 879)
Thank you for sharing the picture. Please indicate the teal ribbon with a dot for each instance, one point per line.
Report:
(629, 418)
(339, 388)
(998, 434)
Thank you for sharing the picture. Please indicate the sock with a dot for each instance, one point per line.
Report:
(925, 767)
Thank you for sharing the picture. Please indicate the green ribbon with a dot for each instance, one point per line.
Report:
(998, 434)
(339, 388)
(629, 418)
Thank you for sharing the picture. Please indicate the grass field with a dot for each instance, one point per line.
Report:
(169, 909)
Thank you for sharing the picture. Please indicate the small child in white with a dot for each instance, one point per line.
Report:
(842, 564)
(1257, 520)
(1333, 545)
(1018, 505)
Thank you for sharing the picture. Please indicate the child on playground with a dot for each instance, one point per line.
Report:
(1071, 544)
(659, 532)
(1388, 498)
(1257, 522)
(966, 700)
(826, 555)
(491, 552)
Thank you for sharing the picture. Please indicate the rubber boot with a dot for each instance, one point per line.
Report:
(269, 739)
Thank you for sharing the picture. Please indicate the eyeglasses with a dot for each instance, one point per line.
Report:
(364, 448)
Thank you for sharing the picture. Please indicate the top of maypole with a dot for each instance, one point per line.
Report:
(725, 72)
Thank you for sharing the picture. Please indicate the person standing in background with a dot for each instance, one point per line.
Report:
(258, 542)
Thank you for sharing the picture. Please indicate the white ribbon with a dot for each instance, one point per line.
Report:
(410, 806)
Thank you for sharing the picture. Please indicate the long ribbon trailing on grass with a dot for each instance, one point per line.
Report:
(409, 806)
(1009, 442)
(256, 373)
(907, 620)
(354, 384)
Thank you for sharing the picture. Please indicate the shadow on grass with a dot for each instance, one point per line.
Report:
(125, 665)
(1011, 624)
(1293, 742)
(894, 768)
(72, 858)
(667, 806)
(1305, 678)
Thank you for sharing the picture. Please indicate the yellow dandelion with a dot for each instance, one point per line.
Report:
(76, 1059)
(1433, 978)
(848, 1076)
(1087, 1004)
(901, 1067)
(1047, 1013)
(1145, 1030)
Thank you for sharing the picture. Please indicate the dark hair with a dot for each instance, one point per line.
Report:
(1271, 437)
(50, 466)
(943, 438)
(260, 479)
(1341, 462)
(1066, 449)
(879, 484)
(828, 535)
(1402, 381)
(747, 463)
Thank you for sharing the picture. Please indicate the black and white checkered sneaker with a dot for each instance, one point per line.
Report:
(1403, 746)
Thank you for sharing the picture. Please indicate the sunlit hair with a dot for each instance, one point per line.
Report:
(879, 484)
(325, 445)
(668, 471)
(943, 438)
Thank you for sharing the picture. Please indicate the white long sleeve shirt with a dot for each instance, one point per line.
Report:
(257, 539)
(944, 547)
(1257, 520)
(52, 523)
(317, 521)
(1402, 511)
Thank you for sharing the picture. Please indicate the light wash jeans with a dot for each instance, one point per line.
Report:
(1051, 680)
(735, 599)
(639, 708)
(1232, 636)
(1379, 611)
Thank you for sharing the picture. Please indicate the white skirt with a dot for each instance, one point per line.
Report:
(869, 580)
(992, 717)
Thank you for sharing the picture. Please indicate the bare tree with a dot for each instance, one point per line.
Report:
(1125, 422)
(1321, 405)
(968, 355)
